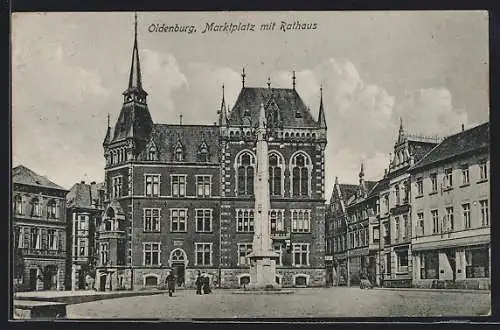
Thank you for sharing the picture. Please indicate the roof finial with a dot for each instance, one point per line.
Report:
(135, 25)
(321, 115)
(243, 75)
(463, 127)
(362, 171)
(336, 180)
(108, 120)
(269, 82)
(293, 79)
(180, 119)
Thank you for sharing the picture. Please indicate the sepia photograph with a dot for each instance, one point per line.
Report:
(250, 165)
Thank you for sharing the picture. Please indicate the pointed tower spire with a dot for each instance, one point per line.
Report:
(337, 180)
(108, 133)
(401, 134)
(362, 188)
(223, 110)
(269, 82)
(243, 75)
(321, 116)
(293, 79)
(135, 91)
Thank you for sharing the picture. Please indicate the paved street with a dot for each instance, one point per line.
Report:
(327, 302)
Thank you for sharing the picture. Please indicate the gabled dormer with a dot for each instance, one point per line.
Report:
(203, 153)
(179, 154)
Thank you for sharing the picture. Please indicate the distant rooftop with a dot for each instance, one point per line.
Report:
(23, 175)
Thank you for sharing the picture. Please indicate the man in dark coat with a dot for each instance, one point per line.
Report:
(206, 284)
(170, 283)
(198, 283)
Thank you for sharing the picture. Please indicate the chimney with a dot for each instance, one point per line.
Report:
(82, 182)
(92, 183)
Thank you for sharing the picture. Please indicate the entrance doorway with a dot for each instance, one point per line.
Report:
(50, 277)
(102, 282)
(179, 273)
(32, 282)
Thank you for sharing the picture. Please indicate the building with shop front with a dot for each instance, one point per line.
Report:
(336, 233)
(451, 213)
(395, 208)
(85, 205)
(38, 227)
(181, 197)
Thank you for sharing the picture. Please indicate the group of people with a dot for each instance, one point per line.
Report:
(202, 284)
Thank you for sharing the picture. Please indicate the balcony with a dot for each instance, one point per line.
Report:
(31, 252)
(402, 208)
(111, 234)
(280, 235)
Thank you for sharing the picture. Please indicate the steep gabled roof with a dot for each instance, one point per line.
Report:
(23, 175)
(288, 101)
(83, 195)
(191, 137)
(470, 140)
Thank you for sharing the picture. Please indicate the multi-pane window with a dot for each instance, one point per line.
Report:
(435, 221)
(152, 219)
(51, 209)
(434, 182)
(483, 170)
(300, 254)
(203, 154)
(485, 216)
(82, 247)
(151, 254)
(465, 174)
(117, 182)
(203, 183)
(398, 194)
(203, 252)
(152, 153)
(244, 249)
(52, 239)
(429, 265)
(449, 219)
(402, 260)
(276, 220)
(275, 170)
(477, 262)
(152, 185)
(301, 221)
(466, 215)
(36, 210)
(35, 241)
(279, 251)
(376, 234)
(18, 204)
(300, 175)
(420, 223)
(178, 185)
(405, 226)
(104, 253)
(204, 220)
(179, 152)
(420, 187)
(448, 178)
(397, 229)
(245, 220)
(178, 220)
(386, 203)
(82, 222)
(245, 167)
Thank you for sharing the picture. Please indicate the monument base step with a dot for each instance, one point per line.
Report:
(29, 309)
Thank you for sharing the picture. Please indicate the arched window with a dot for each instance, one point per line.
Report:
(301, 165)
(18, 204)
(179, 152)
(275, 174)
(245, 164)
(51, 209)
(36, 210)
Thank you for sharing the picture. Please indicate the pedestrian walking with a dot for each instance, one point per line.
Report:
(206, 284)
(199, 283)
(170, 281)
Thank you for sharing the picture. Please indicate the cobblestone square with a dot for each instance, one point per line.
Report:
(304, 303)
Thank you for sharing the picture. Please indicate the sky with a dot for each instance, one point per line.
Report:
(69, 69)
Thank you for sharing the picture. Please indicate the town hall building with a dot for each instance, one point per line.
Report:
(180, 197)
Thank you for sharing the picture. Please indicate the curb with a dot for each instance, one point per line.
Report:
(436, 290)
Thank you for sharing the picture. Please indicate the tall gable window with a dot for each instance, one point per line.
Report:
(36, 209)
(117, 186)
(152, 153)
(275, 174)
(18, 204)
(245, 164)
(203, 154)
(179, 152)
(301, 167)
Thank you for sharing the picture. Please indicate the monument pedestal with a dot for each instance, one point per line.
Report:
(263, 271)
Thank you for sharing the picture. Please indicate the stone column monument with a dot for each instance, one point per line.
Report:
(263, 258)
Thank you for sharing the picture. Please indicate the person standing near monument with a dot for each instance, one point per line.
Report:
(198, 283)
(170, 283)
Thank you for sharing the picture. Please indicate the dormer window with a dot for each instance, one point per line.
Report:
(203, 154)
(246, 113)
(298, 114)
(152, 153)
(179, 152)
